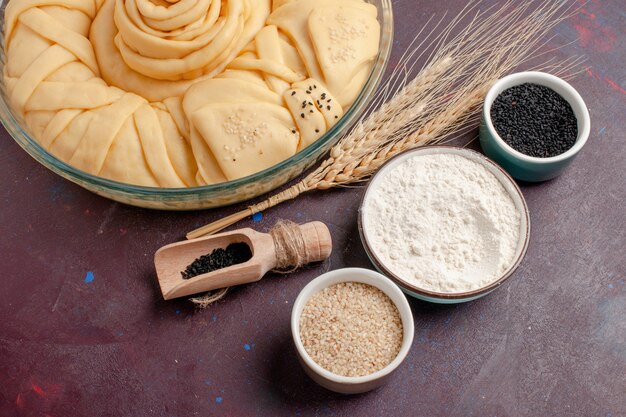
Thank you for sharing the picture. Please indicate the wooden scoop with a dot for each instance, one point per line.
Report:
(170, 260)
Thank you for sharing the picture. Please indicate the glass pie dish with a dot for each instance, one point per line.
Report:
(215, 195)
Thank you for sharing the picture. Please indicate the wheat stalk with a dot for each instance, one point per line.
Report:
(439, 100)
(423, 107)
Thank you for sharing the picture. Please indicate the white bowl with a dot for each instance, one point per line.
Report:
(525, 167)
(346, 384)
(509, 185)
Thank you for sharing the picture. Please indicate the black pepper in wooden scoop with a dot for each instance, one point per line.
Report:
(238, 257)
(535, 120)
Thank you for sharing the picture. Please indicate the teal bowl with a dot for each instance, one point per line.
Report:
(439, 297)
(519, 165)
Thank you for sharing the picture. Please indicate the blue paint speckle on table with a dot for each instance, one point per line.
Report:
(601, 131)
(257, 217)
(57, 191)
(246, 346)
(218, 400)
(610, 286)
(214, 318)
(207, 382)
(89, 277)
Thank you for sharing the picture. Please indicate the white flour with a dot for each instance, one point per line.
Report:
(443, 223)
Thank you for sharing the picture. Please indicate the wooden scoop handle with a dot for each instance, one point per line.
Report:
(172, 259)
(317, 241)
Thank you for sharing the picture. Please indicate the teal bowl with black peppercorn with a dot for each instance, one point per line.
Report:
(533, 125)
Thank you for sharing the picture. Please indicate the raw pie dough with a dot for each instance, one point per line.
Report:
(181, 93)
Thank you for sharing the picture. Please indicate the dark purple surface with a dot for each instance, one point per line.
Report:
(84, 331)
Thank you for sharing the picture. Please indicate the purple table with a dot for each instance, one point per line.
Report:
(84, 331)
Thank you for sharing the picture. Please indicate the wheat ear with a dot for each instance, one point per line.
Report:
(439, 101)
(420, 109)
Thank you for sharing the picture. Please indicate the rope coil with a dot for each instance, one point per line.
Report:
(291, 249)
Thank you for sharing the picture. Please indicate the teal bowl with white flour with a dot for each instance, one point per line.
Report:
(446, 224)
